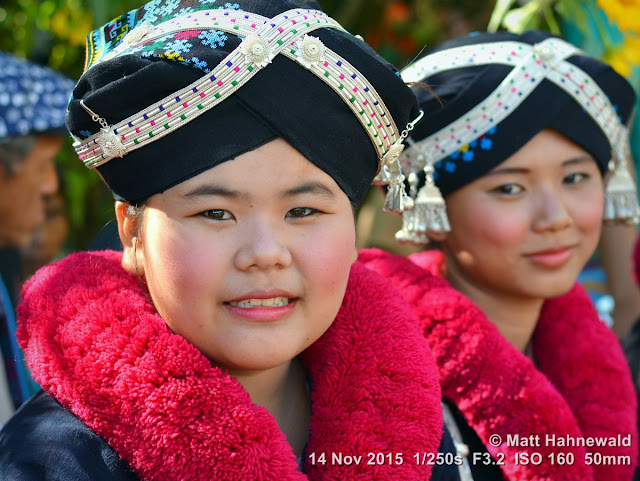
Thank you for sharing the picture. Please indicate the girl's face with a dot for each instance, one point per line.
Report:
(527, 228)
(248, 261)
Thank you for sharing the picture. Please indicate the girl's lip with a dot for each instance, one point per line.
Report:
(551, 258)
(262, 314)
(270, 294)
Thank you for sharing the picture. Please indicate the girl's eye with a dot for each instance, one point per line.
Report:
(299, 212)
(576, 178)
(217, 214)
(508, 189)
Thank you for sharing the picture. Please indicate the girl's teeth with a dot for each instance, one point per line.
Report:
(272, 302)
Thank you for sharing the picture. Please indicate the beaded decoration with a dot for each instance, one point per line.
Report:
(263, 39)
(534, 63)
(531, 64)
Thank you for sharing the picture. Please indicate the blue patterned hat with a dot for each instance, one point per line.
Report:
(33, 98)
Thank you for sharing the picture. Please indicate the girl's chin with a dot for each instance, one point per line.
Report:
(550, 288)
(254, 364)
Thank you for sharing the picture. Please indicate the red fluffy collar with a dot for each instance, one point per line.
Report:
(581, 388)
(95, 343)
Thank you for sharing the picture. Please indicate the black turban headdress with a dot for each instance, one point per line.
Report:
(493, 94)
(128, 72)
(548, 106)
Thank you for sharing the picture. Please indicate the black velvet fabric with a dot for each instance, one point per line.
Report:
(484, 467)
(45, 442)
(282, 100)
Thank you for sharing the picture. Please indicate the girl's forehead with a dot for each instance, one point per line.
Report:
(273, 169)
(548, 148)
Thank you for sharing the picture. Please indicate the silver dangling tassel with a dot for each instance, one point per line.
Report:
(383, 177)
(390, 174)
(397, 199)
(620, 193)
(407, 234)
(430, 210)
(403, 235)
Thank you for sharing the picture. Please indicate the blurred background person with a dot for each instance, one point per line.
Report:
(527, 145)
(32, 108)
(609, 31)
(47, 242)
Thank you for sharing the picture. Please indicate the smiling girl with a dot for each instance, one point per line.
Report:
(235, 337)
(519, 149)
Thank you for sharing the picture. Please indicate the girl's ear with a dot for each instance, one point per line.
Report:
(128, 228)
(437, 236)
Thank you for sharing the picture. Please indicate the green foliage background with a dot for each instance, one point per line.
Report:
(53, 32)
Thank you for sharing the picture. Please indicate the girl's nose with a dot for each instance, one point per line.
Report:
(552, 213)
(263, 248)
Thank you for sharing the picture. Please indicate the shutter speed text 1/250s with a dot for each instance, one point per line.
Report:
(388, 459)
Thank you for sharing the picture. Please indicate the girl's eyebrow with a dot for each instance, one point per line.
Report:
(212, 189)
(316, 188)
(508, 170)
(578, 160)
(524, 170)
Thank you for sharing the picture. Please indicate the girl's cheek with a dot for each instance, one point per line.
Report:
(592, 223)
(332, 256)
(495, 225)
(173, 256)
(588, 209)
(504, 230)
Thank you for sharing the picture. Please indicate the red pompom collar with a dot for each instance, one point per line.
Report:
(95, 342)
(580, 388)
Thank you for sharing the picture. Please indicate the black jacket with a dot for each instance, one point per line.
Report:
(44, 441)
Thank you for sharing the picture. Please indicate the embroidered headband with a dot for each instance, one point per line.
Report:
(263, 39)
(450, 149)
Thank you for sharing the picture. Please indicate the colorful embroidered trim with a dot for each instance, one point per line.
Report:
(531, 64)
(263, 39)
